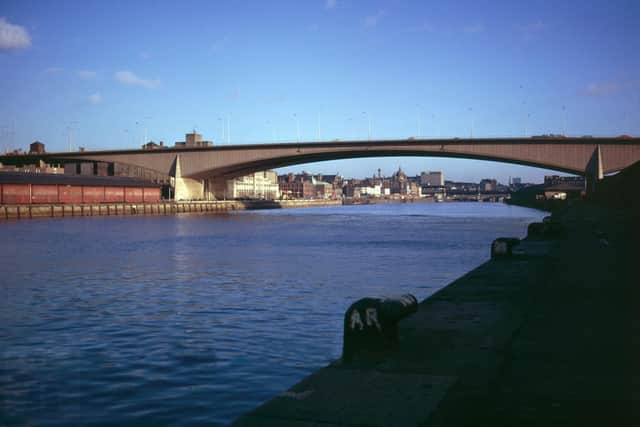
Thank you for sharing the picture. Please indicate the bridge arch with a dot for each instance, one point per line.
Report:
(246, 168)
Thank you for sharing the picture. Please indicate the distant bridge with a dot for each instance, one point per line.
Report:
(202, 170)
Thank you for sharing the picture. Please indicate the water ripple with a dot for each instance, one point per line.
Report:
(193, 320)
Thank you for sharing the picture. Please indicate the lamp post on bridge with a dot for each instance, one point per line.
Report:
(471, 112)
(349, 126)
(70, 128)
(273, 130)
(369, 123)
(295, 115)
(221, 120)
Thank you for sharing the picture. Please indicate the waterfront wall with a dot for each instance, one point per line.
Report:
(27, 211)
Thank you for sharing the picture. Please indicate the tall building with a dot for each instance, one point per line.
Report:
(488, 185)
(36, 147)
(399, 183)
(432, 179)
(193, 140)
(258, 185)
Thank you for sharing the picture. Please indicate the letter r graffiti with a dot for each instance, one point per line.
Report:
(372, 318)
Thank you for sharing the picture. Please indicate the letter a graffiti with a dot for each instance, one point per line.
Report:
(356, 320)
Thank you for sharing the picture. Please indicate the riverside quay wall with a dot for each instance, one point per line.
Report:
(53, 195)
(545, 333)
(25, 211)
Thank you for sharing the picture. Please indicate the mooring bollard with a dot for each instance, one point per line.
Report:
(371, 325)
(502, 247)
(536, 230)
(550, 228)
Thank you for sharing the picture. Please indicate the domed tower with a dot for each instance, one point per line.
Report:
(399, 182)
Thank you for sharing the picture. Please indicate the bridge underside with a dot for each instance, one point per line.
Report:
(236, 170)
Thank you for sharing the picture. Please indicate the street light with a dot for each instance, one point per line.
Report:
(433, 116)
(221, 120)
(5, 135)
(70, 129)
(297, 126)
(369, 123)
(273, 130)
(564, 121)
(144, 127)
(419, 121)
(349, 126)
(471, 112)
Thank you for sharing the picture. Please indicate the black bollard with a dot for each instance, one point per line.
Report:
(502, 247)
(549, 229)
(371, 326)
(536, 230)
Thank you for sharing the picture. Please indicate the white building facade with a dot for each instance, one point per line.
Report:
(258, 185)
(432, 179)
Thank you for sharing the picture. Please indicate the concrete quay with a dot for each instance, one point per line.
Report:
(548, 336)
(10, 212)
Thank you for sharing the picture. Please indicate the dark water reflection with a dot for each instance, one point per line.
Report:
(196, 319)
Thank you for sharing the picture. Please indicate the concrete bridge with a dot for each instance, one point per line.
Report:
(202, 172)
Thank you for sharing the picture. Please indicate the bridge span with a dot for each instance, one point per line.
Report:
(201, 171)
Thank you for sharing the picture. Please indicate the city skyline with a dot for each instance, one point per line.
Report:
(104, 76)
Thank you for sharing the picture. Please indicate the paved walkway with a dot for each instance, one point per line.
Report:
(548, 337)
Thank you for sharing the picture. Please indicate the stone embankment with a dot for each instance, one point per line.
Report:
(159, 208)
(548, 336)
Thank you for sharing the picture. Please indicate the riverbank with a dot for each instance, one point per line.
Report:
(545, 337)
(8, 212)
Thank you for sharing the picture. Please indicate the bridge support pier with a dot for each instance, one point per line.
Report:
(186, 188)
(593, 173)
(217, 187)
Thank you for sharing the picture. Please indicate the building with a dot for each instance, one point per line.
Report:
(153, 146)
(563, 191)
(258, 185)
(370, 191)
(576, 181)
(308, 186)
(40, 167)
(516, 181)
(36, 147)
(399, 183)
(488, 185)
(432, 179)
(193, 140)
(29, 188)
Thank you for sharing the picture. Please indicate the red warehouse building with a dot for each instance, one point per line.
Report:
(17, 188)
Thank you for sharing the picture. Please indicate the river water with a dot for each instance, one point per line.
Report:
(196, 319)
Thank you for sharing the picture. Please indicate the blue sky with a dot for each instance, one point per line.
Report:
(104, 72)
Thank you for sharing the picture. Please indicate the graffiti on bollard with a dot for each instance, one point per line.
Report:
(371, 325)
(502, 247)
